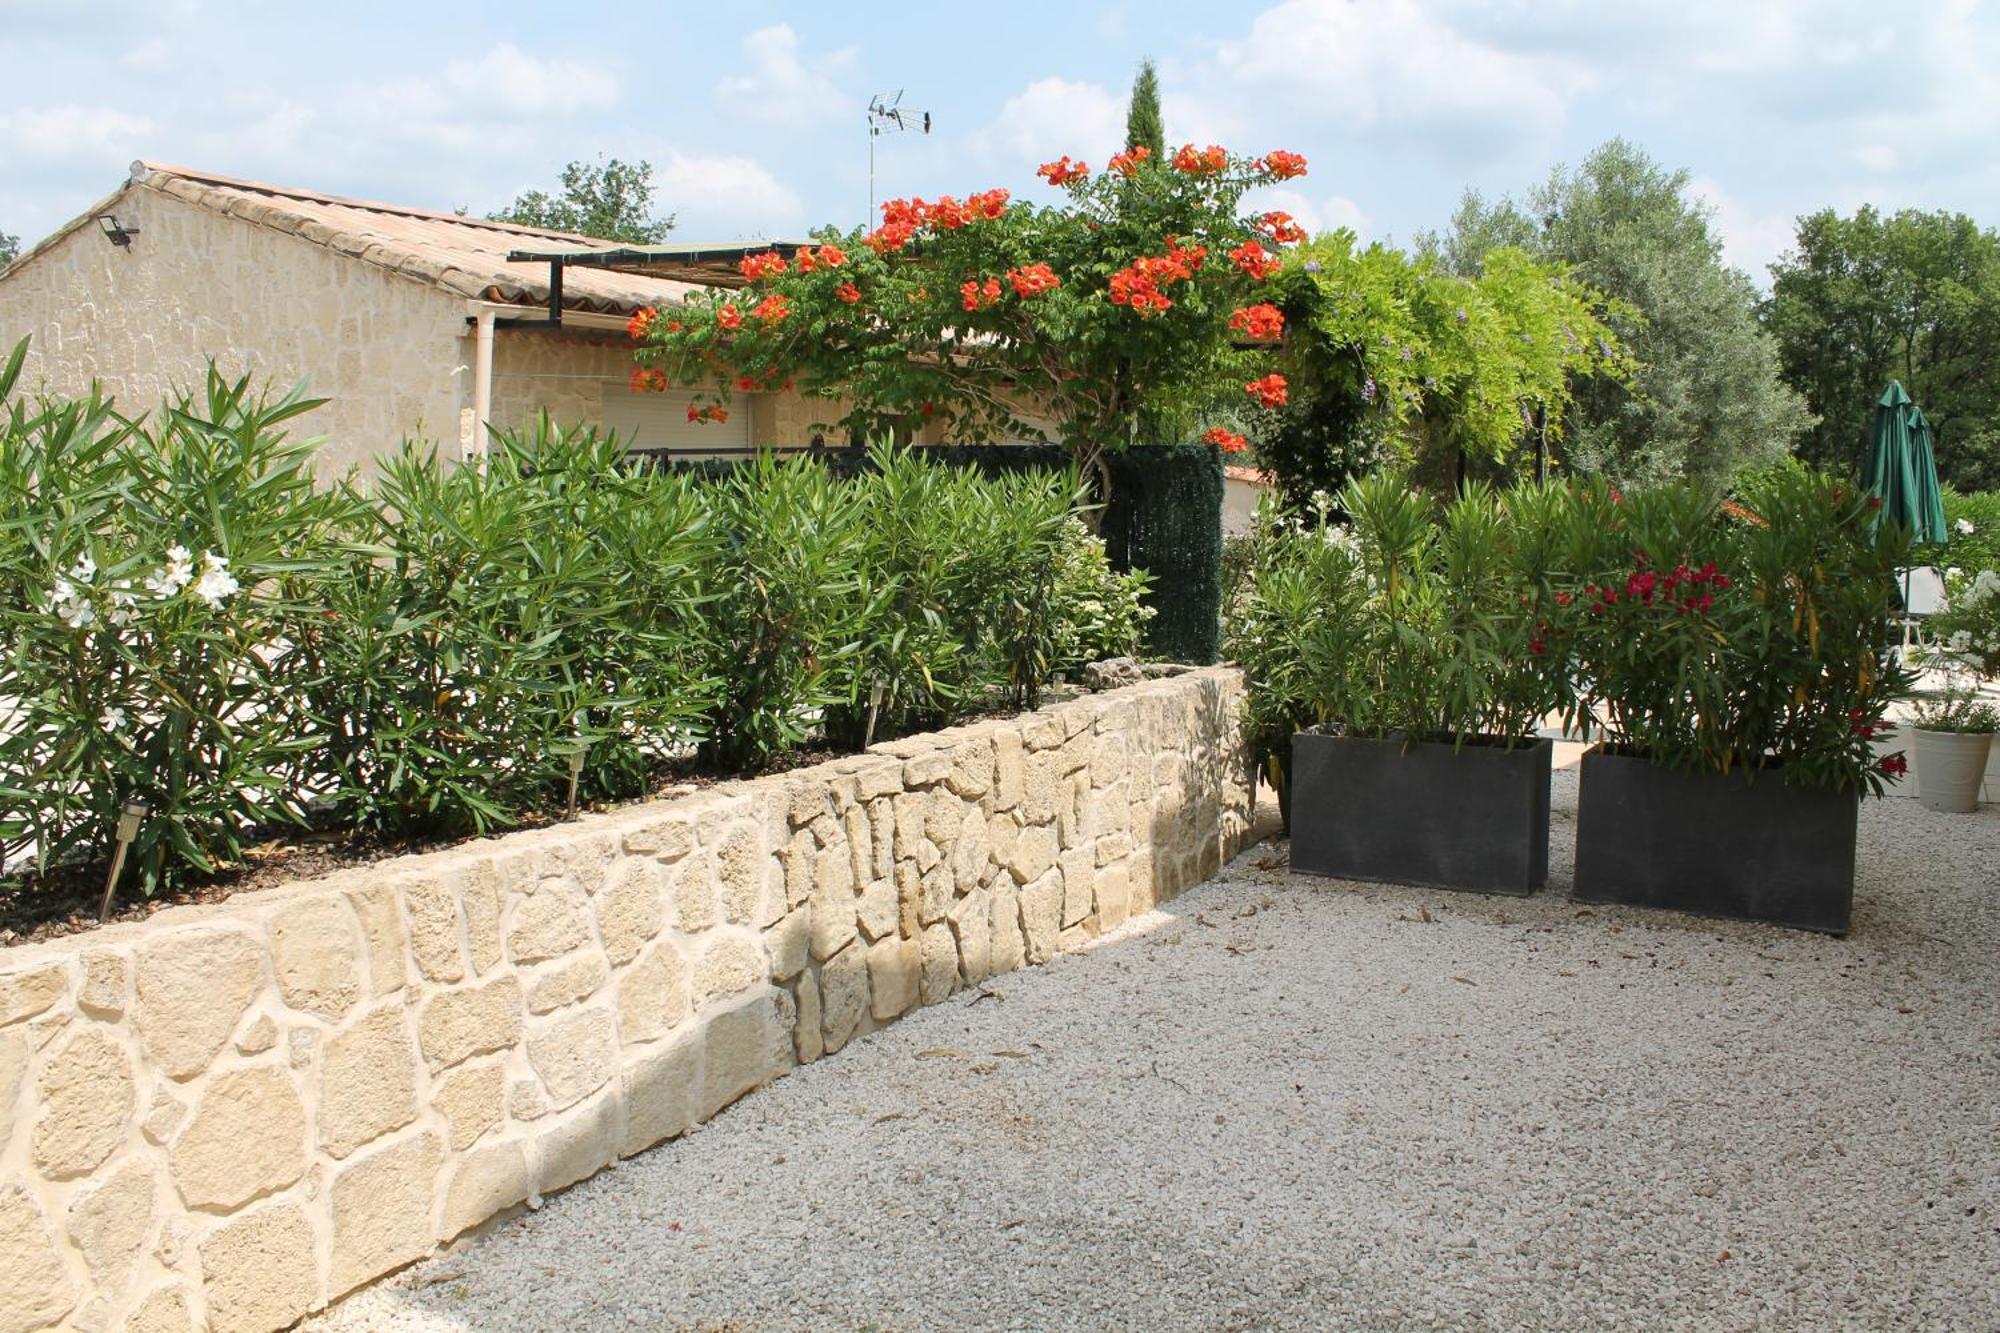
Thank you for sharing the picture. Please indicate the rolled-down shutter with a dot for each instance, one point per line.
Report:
(659, 421)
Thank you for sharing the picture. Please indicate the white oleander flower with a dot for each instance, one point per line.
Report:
(86, 569)
(176, 576)
(111, 719)
(122, 604)
(1964, 527)
(216, 582)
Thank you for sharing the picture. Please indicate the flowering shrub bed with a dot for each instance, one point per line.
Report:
(1701, 633)
(186, 619)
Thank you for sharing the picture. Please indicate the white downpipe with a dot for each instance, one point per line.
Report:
(482, 383)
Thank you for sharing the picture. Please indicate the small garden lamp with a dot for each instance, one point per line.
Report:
(132, 814)
(875, 691)
(576, 773)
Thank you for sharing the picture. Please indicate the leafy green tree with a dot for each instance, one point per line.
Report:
(1911, 296)
(1707, 398)
(1143, 126)
(10, 246)
(610, 200)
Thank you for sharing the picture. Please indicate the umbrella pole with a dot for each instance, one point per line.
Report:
(1907, 619)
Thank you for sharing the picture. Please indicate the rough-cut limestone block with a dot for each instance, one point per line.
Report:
(380, 916)
(582, 855)
(575, 1054)
(880, 777)
(85, 1095)
(1009, 769)
(109, 1224)
(928, 855)
(653, 994)
(247, 1137)
(1113, 847)
(1112, 891)
(739, 865)
(809, 801)
(1041, 915)
(882, 834)
(1007, 950)
(193, 986)
(742, 1048)
(798, 857)
(908, 811)
(833, 901)
(102, 994)
(971, 773)
(260, 1036)
(876, 910)
(970, 848)
(382, 1210)
(1003, 831)
(1043, 730)
(788, 943)
(367, 1080)
(944, 816)
(547, 925)
(1139, 879)
(28, 992)
(843, 990)
(471, 1099)
(483, 1182)
(936, 890)
(940, 963)
(36, 1290)
(260, 1270)
(315, 957)
(894, 967)
(659, 1085)
(580, 1143)
(1079, 876)
(971, 919)
(1034, 854)
(528, 1100)
(927, 769)
(479, 895)
(860, 839)
(166, 1310)
(566, 981)
(808, 1040)
(664, 837)
(1112, 810)
(434, 928)
(162, 1118)
(13, 1068)
(470, 1021)
(694, 893)
(1073, 812)
(1042, 790)
(1107, 760)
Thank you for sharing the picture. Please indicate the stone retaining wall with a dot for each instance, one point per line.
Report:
(227, 1116)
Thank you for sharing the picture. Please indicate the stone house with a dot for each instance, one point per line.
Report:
(411, 322)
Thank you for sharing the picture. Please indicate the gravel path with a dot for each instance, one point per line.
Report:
(1297, 1103)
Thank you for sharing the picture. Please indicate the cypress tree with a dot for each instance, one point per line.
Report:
(1142, 120)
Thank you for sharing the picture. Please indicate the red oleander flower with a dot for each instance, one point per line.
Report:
(1209, 161)
(746, 384)
(1226, 440)
(773, 309)
(1537, 647)
(641, 322)
(755, 267)
(1280, 228)
(1062, 171)
(1033, 280)
(1563, 599)
(848, 292)
(1269, 391)
(1264, 323)
(729, 317)
(1255, 260)
(1127, 162)
(1895, 765)
(1282, 165)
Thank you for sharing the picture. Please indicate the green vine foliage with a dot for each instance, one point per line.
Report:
(1397, 361)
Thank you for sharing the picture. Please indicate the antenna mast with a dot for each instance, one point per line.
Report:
(887, 115)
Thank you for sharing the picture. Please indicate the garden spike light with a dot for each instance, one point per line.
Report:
(130, 816)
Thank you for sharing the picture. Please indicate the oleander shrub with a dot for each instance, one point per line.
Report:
(156, 574)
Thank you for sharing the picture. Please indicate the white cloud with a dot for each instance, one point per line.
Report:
(780, 86)
(149, 57)
(1750, 239)
(67, 133)
(1052, 117)
(504, 84)
(1314, 214)
(719, 198)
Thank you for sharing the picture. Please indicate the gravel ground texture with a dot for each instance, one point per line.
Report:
(1287, 1102)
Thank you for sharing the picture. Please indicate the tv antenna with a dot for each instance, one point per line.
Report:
(887, 115)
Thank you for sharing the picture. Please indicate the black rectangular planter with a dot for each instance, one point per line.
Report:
(1720, 844)
(1471, 817)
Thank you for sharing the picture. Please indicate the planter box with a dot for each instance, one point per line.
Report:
(1714, 844)
(1470, 817)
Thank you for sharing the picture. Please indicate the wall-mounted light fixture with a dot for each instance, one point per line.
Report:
(116, 232)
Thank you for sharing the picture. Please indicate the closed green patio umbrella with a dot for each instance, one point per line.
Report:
(1903, 471)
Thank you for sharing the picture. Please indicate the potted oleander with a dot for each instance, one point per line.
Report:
(1952, 730)
(1733, 659)
(1413, 661)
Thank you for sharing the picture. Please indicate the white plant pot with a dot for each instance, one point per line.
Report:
(1951, 766)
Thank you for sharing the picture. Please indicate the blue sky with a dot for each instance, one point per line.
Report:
(752, 114)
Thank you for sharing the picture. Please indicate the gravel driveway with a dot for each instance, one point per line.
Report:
(1298, 1103)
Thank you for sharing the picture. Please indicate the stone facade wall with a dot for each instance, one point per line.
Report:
(387, 350)
(227, 1116)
